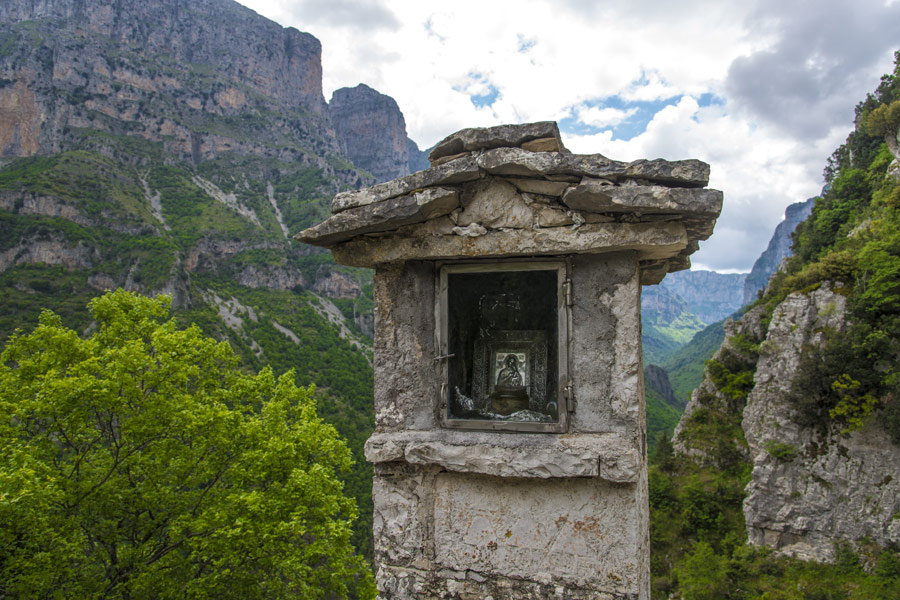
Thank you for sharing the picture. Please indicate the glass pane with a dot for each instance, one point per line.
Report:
(502, 333)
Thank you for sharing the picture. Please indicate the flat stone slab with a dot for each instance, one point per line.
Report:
(649, 240)
(545, 133)
(523, 163)
(596, 195)
(516, 161)
(382, 216)
(456, 171)
(607, 456)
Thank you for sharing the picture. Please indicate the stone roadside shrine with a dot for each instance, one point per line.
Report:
(510, 446)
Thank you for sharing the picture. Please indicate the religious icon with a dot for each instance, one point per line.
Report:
(509, 376)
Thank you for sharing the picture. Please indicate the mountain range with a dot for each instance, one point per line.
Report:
(173, 146)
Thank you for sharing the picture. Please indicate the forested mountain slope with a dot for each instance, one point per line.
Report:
(175, 146)
(792, 441)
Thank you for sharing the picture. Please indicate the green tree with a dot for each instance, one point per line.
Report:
(702, 575)
(884, 122)
(140, 462)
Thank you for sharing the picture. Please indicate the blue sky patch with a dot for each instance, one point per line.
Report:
(634, 115)
(479, 89)
(524, 44)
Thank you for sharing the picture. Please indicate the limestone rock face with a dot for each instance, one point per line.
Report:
(286, 63)
(273, 278)
(836, 487)
(223, 61)
(811, 487)
(656, 378)
(372, 131)
(336, 285)
(778, 249)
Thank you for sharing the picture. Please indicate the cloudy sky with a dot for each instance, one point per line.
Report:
(763, 90)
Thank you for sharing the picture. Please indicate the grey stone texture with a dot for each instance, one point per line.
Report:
(464, 513)
(519, 195)
(649, 240)
(390, 214)
(545, 133)
(457, 171)
(610, 456)
(838, 487)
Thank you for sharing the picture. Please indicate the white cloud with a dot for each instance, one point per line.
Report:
(760, 171)
(603, 117)
(649, 88)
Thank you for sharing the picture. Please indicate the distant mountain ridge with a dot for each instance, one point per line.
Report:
(778, 249)
(710, 295)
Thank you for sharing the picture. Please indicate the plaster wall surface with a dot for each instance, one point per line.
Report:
(449, 522)
(407, 378)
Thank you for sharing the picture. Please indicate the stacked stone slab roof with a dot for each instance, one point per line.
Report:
(515, 191)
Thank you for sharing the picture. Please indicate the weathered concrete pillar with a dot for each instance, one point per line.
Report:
(509, 447)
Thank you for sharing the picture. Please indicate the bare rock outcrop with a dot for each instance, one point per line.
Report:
(811, 489)
(273, 278)
(812, 486)
(52, 251)
(372, 131)
(656, 378)
(336, 285)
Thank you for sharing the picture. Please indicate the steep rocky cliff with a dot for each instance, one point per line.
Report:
(194, 75)
(813, 487)
(656, 379)
(372, 133)
(778, 249)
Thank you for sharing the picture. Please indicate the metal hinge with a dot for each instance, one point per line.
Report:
(568, 284)
(569, 396)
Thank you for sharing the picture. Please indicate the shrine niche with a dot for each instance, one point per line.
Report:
(509, 445)
(503, 332)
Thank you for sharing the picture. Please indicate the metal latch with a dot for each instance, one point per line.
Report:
(442, 357)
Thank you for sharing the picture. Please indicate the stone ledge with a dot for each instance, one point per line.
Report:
(596, 195)
(649, 240)
(608, 456)
(382, 216)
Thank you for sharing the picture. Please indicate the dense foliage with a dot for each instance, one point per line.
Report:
(141, 462)
(195, 248)
(853, 239)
